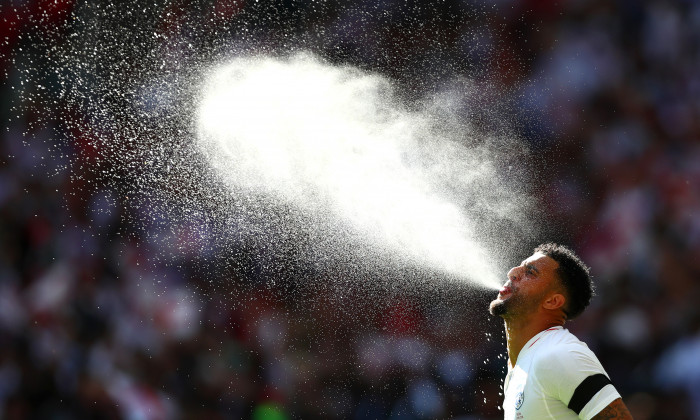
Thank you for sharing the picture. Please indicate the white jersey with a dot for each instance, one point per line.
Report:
(556, 376)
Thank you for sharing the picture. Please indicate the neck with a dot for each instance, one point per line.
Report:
(519, 331)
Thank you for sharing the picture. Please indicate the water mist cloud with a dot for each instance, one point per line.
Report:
(334, 143)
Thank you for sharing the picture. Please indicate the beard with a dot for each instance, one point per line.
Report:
(514, 305)
(498, 307)
(517, 305)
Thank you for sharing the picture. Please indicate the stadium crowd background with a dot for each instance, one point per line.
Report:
(95, 324)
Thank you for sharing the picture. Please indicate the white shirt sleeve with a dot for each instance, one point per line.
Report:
(563, 370)
(599, 401)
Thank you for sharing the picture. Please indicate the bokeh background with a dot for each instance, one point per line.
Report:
(101, 317)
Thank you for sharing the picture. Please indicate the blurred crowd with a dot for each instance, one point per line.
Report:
(96, 323)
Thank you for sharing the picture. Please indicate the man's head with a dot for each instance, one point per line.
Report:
(553, 278)
(574, 276)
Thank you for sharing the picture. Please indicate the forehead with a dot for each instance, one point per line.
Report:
(541, 262)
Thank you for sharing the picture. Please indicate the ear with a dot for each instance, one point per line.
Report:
(554, 301)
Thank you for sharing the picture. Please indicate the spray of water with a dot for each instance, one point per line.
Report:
(336, 144)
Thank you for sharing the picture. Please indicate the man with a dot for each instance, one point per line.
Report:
(551, 374)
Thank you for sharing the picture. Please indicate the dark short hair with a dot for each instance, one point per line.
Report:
(574, 276)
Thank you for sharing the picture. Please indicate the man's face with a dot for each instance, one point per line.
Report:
(528, 284)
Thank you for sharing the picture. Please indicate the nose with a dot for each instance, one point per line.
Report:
(514, 273)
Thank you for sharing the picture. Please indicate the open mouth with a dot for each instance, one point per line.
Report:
(505, 291)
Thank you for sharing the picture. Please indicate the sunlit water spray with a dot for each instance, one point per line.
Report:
(334, 143)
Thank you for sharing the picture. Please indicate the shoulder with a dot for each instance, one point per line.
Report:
(561, 345)
(562, 355)
(570, 372)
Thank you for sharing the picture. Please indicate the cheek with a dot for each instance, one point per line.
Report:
(531, 291)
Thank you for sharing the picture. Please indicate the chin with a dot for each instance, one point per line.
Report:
(497, 307)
